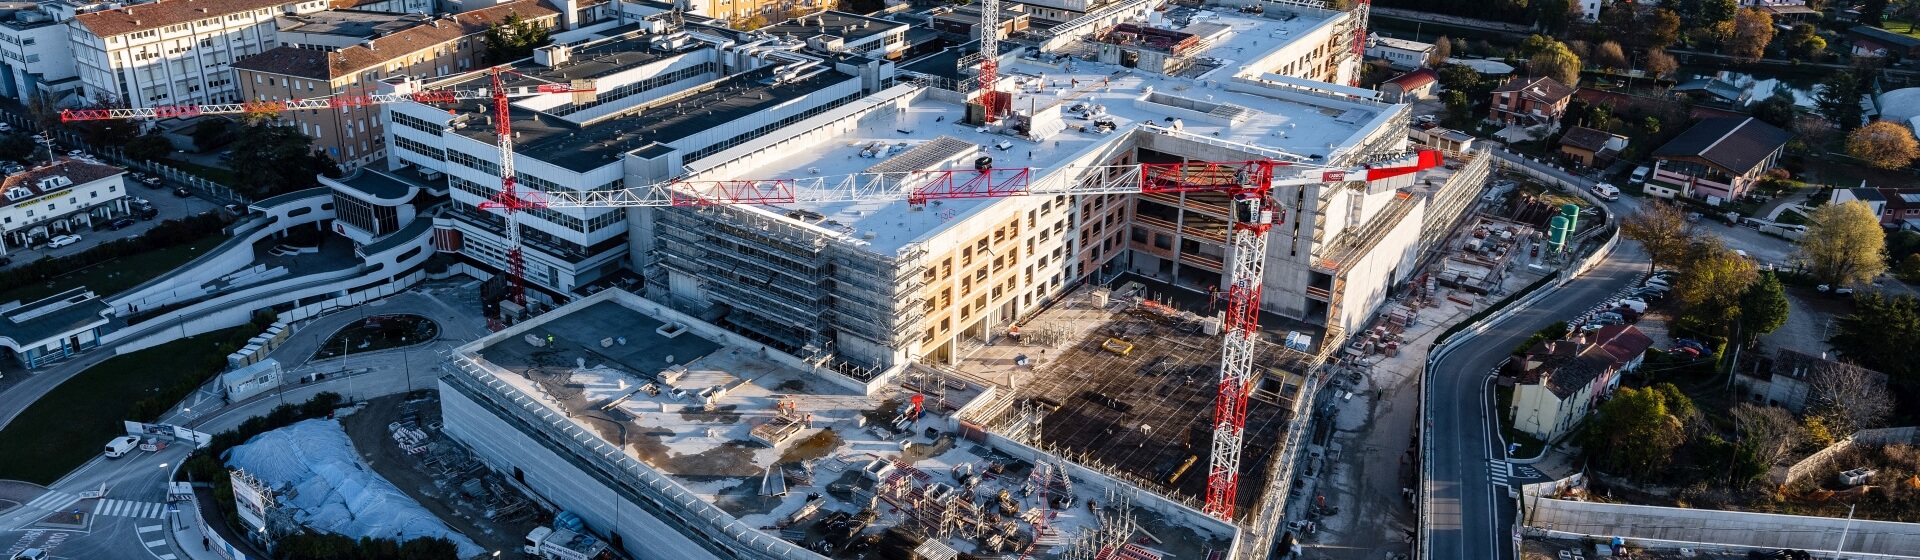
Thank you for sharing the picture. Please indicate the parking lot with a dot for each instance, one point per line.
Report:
(162, 199)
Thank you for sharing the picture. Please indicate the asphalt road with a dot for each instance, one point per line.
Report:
(1472, 515)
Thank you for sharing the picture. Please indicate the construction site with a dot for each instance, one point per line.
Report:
(709, 428)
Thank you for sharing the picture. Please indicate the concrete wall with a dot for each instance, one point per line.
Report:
(1670, 528)
(514, 454)
(1821, 462)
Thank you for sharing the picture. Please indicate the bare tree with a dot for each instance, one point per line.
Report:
(1771, 430)
(1664, 230)
(1850, 398)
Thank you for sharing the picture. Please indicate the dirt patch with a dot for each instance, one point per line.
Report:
(813, 447)
(743, 498)
(440, 495)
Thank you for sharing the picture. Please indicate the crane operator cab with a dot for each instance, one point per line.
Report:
(1253, 209)
(982, 164)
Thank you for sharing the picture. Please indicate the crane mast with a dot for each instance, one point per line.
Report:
(989, 58)
(508, 201)
(1361, 11)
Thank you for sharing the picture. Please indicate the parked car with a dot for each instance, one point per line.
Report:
(120, 224)
(62, 241)
(6, 127)
(4, 261)
(151, 182)
(31, 554)
(147, 213)
(76, 153)
(182, 192)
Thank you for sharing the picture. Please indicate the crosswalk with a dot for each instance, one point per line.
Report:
(125, 508)
(53, 500)
(1499, 470)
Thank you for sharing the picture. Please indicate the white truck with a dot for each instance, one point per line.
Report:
(560, 544)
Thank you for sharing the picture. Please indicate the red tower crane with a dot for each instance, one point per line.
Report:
(1361, 11)
(1250, 185)
(510, 201)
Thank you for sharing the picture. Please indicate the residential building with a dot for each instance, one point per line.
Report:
(1410, 87)
(1530, 102)
(58, 199)
(426, 48)
(174, 52)
(1896, 207)
(1402, 54)
(35, 59)
(337, 29)
(1790, 379)
(844, 32)
(1590, 10)
(1718, 159)
(1561, 381)
(1587, 147)
(1874, 41)
(740, 11)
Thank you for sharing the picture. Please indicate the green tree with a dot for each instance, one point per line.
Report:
(1663, 230)
(1752, 31)
(1910, 269)
(16, 147)
(277, 160)
(1883, 144)
(1776, 110)
(1711, 283)
(515, 38)
(1881, 333)
(149, 147)
(212, 132)
(1804, 41)
(1658, 29)
(1461, 78)
(1763, 307)
(1534, 44)
(1844, 245)
(1557, 62)
(1873, 12)
(1651, 125)
(1636, 432)
(1839, 100)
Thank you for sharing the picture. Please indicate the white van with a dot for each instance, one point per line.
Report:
(1640, 174)
(121, 445)
(1606, 191)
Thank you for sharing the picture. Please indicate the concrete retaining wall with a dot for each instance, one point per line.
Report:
(1669, 528)
(1814, 464)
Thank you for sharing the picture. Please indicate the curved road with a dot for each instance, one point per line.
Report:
(1473, 518)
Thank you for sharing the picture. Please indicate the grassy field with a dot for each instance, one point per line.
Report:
(68, 426)
(215, 174)
(117, 275)
(1902, 28)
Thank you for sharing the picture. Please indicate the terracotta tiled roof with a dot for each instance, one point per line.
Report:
(1547, 90)
(1585, 138)
(306, 63)
(120, 21)
(1415, 78)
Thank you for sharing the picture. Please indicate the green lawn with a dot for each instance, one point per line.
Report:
(117, 275)
(1901, 27)
(69, 425)
(394, 332)
(215, 174)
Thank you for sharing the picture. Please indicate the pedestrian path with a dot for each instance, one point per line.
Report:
(53, 500)
(126, 508)
(1499, 470)
(155, 539)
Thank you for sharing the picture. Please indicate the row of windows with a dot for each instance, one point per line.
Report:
(770, 127)
(615, 94)
(575, 223)
(486, 165)
(419, 148)
(417, 123)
